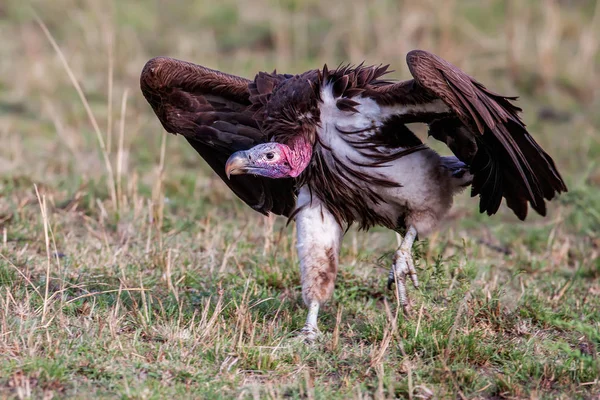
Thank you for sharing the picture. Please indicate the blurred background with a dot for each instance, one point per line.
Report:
(129, 205)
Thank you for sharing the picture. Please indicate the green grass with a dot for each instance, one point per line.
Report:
(177, 289)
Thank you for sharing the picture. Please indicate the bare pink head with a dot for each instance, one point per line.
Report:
(271, 160)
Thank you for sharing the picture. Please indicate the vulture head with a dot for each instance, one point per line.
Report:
(291, 119)
(271, 160)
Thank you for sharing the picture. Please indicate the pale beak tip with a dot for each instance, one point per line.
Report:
(235, 162)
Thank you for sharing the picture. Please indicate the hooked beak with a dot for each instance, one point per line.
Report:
(237, 164)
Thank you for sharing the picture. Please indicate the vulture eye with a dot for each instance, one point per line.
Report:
(270, 156)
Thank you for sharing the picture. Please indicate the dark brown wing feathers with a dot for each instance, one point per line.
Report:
(211, 109)
(488, 135)
(220, 114)
(261, 90)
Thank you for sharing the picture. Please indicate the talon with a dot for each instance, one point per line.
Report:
(391, 279)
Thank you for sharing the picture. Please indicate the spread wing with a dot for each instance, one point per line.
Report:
(482, 128)
(211, 110)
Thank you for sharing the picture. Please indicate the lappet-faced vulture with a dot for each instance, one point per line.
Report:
(329, 148)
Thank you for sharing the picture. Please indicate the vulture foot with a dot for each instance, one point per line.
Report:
(310, 333)
(403, 266)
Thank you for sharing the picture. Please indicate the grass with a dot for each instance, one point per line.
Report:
(127, 269)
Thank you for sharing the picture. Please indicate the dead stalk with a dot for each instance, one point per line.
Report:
(86, 105)
(43, 209)
(120, 154)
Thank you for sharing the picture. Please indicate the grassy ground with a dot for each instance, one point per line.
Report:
(133, 272)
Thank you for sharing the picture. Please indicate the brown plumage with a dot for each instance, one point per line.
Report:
(331, 147)
(212, 111)
(504, 159)
(220, 114)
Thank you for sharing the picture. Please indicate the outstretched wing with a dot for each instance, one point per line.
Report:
(211, 110)
(482, 128)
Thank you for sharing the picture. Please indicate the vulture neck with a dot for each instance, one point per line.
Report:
(298, 153)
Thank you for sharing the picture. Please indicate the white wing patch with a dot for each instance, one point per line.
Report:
(370, 116)
(437, 106)
(421, 185)
(369, 112)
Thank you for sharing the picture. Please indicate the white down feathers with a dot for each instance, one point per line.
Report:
(426, 189)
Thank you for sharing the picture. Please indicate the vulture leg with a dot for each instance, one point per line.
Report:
(319, 237)
(402, 266)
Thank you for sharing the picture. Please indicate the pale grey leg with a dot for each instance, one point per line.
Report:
(319, 237)
(402, 266)
(310, 330)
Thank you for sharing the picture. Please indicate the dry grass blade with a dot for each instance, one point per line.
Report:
(120, 290)
(109, 39)
(88, 109)
(158, 198)
(44, 213)
(120, 150)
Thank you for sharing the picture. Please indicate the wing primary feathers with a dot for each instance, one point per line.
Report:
(490, 137)
(215, 111)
